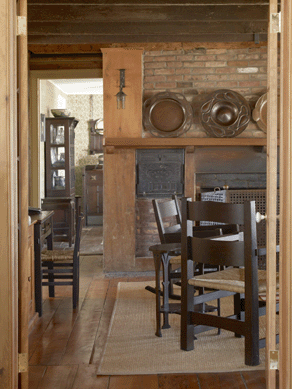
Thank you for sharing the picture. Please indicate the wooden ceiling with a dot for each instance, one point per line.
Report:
(101, 23)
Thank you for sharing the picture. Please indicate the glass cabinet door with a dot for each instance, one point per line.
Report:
(57, 134)
(60, 160)
(58, 157)
(58, 179)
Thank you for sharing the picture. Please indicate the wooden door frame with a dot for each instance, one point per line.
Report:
(271, 206)
(34, 114)
(8, 203)
(285, 352)
(286, 183)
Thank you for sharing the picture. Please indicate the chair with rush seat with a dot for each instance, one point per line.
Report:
(61, 267)
(168, 219)
(240, 277)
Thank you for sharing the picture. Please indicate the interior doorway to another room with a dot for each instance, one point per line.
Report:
(82, 96)
(83, 100)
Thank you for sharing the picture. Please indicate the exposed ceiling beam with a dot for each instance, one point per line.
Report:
(52, 49)
(154, 3)
(106, 40)
(68, 22)
(119, 14)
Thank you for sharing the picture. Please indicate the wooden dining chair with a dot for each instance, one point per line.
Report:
(168, 219)
(61, 267)
(240, 277)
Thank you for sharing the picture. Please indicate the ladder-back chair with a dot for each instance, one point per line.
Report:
(240, 277)
(61, 267)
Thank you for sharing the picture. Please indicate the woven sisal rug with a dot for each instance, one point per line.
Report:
(133, 348)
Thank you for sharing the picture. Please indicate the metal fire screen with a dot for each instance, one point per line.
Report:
(238, 197)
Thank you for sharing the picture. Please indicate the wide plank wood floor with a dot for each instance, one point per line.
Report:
(65, 346)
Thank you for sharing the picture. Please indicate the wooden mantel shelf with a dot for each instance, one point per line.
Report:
(112, 143)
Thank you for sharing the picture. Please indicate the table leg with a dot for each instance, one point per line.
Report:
(50, 244)
(157, 260)
(51, 279)
(38, 269)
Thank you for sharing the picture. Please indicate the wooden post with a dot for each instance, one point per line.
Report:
(285, 357)
(271, 192)
(119, 221)
(23, 263)
(8, 203)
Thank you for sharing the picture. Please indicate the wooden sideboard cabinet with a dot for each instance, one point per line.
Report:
(93, 194)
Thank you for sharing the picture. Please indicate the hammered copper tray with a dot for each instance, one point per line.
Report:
(260, 112)
(225, 114)
(167, 114)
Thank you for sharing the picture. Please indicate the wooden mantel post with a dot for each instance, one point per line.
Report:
(119, 164)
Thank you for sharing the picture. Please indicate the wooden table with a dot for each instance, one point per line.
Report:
(43, 230)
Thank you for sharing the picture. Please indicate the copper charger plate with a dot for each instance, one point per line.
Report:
(260, 112)
(167, 114)
(225, 114)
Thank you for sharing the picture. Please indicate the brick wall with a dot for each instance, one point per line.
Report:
(198, 72)
(146, 227)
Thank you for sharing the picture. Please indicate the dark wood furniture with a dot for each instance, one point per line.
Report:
(162, 254)
(43, 231)
(93, 194)
(31, 276)
(95, 143)
(60, 163)
(60, 176)
(168, 219)
(64, 217)
(61, 267)
(241, 279)
(78, 207)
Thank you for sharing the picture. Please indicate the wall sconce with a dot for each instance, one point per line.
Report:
(121, 96)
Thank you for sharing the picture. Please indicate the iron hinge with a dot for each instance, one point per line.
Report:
(276, 22)
(21, 25)
(22, 363)
(274, 360)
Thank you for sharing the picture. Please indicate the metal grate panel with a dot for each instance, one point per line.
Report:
(239, 197)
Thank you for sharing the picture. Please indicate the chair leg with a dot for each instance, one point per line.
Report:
(252, 351)
(51, 279)
(75, 285)
(38, 288)
(165, 283)
(237, 310)
(187, 329)
(170, 292)
(157, 262)
(218, 313)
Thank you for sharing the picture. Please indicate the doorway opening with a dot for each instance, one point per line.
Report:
(81, 99)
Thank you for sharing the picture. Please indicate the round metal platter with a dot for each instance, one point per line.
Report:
(260, 112)
(225, 114)
(167, 114)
